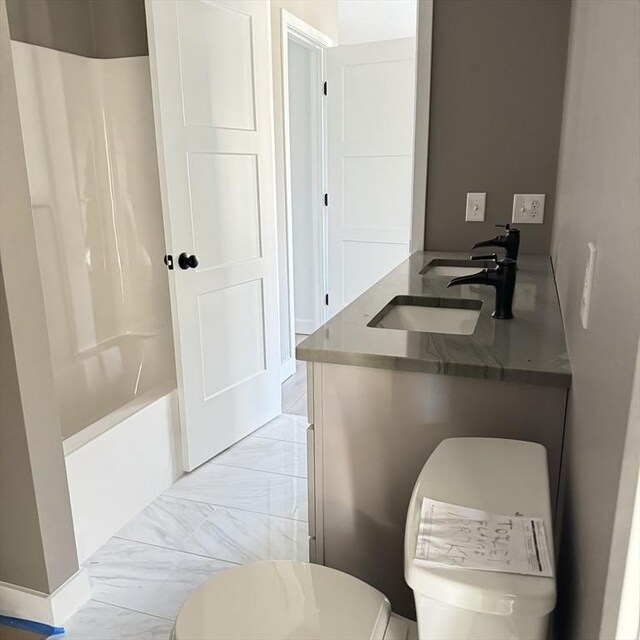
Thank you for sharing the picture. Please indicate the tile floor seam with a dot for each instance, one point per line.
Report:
(293, 399)
(225, 506)
(160, 546)
(279, 473)
(231, 540)
(119, 606)
(292, 403)
(256, 435)
(253, 435)
(266, 515)
(192, 535)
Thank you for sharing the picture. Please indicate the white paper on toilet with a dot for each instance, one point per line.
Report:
(460, 537)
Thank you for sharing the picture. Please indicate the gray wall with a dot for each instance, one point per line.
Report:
(598, 200)
(37, 547)
(92, 28)
(496, 107)
(19, 526)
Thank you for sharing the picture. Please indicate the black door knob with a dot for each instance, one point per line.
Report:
(185, 261)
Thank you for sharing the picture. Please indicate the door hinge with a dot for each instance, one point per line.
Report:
(326, 299)
(326, 199)
(324, 88)
(168, 260)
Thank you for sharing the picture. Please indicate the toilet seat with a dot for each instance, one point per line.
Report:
(283, 599)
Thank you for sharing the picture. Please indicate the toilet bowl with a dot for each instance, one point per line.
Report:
(289, 599)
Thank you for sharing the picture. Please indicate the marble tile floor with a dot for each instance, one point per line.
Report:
(294, 389)
(248, 503)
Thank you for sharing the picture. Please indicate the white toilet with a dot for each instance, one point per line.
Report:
(298, 600)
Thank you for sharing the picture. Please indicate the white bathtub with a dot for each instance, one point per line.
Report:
(118, 472)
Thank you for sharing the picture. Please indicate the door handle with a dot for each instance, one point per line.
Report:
(185, 261)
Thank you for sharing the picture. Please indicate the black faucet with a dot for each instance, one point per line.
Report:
(503, 278)
(509, 241)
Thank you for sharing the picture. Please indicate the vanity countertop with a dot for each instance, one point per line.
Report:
(529, 349)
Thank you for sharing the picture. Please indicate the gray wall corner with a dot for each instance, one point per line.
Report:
(38, 543)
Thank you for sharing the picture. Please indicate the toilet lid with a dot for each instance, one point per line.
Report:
(283, 599)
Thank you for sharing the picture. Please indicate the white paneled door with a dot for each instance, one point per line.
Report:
(211, 75)
(371, 89)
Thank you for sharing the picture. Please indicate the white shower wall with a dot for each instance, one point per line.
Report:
(91, 159)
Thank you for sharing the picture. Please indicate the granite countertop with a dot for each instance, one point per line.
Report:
(528, 349)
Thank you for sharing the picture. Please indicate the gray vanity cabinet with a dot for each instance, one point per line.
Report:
(372, 431)
(382, 399)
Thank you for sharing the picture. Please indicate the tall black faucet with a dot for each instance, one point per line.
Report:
(509, 241)
(503, 278)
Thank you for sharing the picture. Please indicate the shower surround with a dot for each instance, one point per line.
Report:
(84, 94)
(90, 149)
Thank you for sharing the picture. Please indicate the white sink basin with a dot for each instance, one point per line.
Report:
(453, 272)
(452, 268)
(429, 315)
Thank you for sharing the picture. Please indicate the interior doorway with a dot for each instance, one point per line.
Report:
(355, 151)
(303, 56)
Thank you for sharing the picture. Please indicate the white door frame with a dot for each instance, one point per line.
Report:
(424, 40)
(303, 33)
(291, 25)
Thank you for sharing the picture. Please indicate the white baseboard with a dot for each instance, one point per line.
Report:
(306, 327)
(116, 475)
(287, 369)
(52, 609)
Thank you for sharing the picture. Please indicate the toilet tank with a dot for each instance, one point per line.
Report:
(507, 477)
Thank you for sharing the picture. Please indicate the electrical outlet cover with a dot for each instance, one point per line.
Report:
(528, 208)
(476, 203)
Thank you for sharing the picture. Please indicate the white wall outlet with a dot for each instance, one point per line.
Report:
(528, 208)
(476, 203)
(587, 286)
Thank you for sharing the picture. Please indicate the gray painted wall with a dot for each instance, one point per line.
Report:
(92, 28)
(37, 549)
(598, 200)
(496, 108)
(19, 526)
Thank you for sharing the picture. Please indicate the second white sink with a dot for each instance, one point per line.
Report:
(452, 268)
(453, 272)
(430, 315)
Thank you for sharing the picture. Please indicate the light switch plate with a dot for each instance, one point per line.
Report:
(476, 203)
(588, 285)
(528, 208)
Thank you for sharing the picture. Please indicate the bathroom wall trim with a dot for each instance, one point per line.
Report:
(117, 474)
(51, 609)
